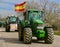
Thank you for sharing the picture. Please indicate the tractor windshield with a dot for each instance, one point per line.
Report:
(35, 15)
(12, 19)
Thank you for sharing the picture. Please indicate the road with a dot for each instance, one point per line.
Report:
(10, 39)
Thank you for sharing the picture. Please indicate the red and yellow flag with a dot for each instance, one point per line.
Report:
(20, 7)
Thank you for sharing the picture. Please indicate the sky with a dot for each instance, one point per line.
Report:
(7, 6)
(58, 1)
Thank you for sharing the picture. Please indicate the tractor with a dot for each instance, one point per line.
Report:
(12, 23)
(34, 25)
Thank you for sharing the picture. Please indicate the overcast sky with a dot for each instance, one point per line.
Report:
(7, 6)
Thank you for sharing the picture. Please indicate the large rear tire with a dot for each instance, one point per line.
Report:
(49, 37)
(27, 35)
(7, 29)
(20, 34)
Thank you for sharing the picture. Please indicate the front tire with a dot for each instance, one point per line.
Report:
(49, 37)
(27, 35)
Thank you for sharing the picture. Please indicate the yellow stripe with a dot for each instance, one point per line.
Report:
(23, 6)
(17, 7)
(20, 7)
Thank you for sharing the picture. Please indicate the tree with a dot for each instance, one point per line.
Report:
(32, 5)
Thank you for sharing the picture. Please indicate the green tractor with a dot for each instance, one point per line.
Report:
(12, 23)
(34, 25)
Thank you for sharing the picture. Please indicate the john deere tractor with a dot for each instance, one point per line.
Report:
(12, 23)
(34, 25)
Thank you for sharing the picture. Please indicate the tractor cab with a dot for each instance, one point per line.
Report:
(12, 19)
(36, 16)
(33, 17)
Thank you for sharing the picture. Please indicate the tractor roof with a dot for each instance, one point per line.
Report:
(12, 16)
(34, 10)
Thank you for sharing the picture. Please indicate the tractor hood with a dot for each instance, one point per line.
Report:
(38, 21)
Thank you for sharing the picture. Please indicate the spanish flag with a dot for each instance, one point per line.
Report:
(20, 7)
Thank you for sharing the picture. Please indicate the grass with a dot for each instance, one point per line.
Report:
(57, 33)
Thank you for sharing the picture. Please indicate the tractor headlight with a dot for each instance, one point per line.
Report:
(40, 26)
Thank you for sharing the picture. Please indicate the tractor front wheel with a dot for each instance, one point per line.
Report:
(49, 36)
(27, 35)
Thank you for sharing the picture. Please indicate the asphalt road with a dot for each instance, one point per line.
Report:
(10, 39)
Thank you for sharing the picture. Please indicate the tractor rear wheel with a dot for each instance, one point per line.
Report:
(7, 29)
(49, 35)
(27, 35)
(20, 36)
(20, 32)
